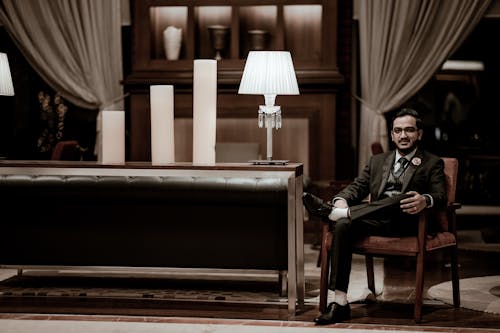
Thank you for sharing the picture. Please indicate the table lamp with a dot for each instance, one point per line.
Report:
(269, 73)
(6, 86)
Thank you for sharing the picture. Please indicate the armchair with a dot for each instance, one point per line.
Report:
(418, 246)
(68, 150)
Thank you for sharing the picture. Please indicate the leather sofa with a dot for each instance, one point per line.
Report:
(144, 221)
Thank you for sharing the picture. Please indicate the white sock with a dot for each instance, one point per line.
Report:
(338, 213)
(340, 297)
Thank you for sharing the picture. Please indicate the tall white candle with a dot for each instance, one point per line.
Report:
(204, 111)
(162, 124)
(112, 137)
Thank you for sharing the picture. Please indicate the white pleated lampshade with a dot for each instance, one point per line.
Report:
(269, 72)
(6, 87)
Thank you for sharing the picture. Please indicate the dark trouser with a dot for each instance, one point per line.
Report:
(383, 217)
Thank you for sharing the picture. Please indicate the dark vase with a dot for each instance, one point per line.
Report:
(258, 39)
(219, 39)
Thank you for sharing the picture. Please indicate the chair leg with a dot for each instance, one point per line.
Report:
(318, 261)
(370, 275)
(325, 268)
(419, 287)
(454, 277)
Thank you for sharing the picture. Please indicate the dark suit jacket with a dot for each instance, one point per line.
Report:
(425, 174)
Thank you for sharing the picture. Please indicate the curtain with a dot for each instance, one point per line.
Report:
(402, 44)
(74, 45)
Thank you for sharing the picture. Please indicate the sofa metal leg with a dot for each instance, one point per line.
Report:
(283, 281)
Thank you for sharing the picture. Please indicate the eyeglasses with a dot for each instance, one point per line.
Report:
(407, 130)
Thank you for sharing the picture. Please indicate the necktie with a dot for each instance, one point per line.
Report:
(402, 166)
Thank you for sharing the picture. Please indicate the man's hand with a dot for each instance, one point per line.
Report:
(414, 204)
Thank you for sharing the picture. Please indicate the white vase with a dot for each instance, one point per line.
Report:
(172, 41)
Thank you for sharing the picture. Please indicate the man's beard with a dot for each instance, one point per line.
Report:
(409, 149)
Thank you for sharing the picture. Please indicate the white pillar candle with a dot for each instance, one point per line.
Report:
(204, 111)
(112, 137)
(162, 124)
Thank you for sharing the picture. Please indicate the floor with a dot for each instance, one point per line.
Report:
(148, 303)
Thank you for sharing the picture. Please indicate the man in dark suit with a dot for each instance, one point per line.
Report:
(398, 190)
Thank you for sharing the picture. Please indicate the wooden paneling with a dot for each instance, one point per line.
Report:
(307, 135)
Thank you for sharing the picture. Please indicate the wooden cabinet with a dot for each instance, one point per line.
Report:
(306, 28)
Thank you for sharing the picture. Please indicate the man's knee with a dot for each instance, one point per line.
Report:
(342, 225)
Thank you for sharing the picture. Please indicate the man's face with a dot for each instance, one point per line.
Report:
(405, 134)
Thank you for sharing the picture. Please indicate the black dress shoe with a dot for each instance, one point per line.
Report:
(335, 313)
(316, 206)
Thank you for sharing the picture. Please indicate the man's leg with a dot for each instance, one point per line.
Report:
(344, 232)
(362, 210)
(365, 219)
(341, 255)
(316, 206)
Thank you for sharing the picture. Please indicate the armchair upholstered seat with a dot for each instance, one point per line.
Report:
(403, 245)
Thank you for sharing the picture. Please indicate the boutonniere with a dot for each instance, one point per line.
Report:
(416, 161)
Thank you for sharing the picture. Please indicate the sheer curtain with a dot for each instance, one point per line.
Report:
(402, 44)
(75, 46)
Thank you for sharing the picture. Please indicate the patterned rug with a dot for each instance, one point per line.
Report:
(219, 287)
(176, 285)
(478, 293)
(122, 286)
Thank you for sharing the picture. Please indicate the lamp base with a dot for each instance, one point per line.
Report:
(269, 162)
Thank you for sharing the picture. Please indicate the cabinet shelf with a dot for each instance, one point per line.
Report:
(297, 26)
